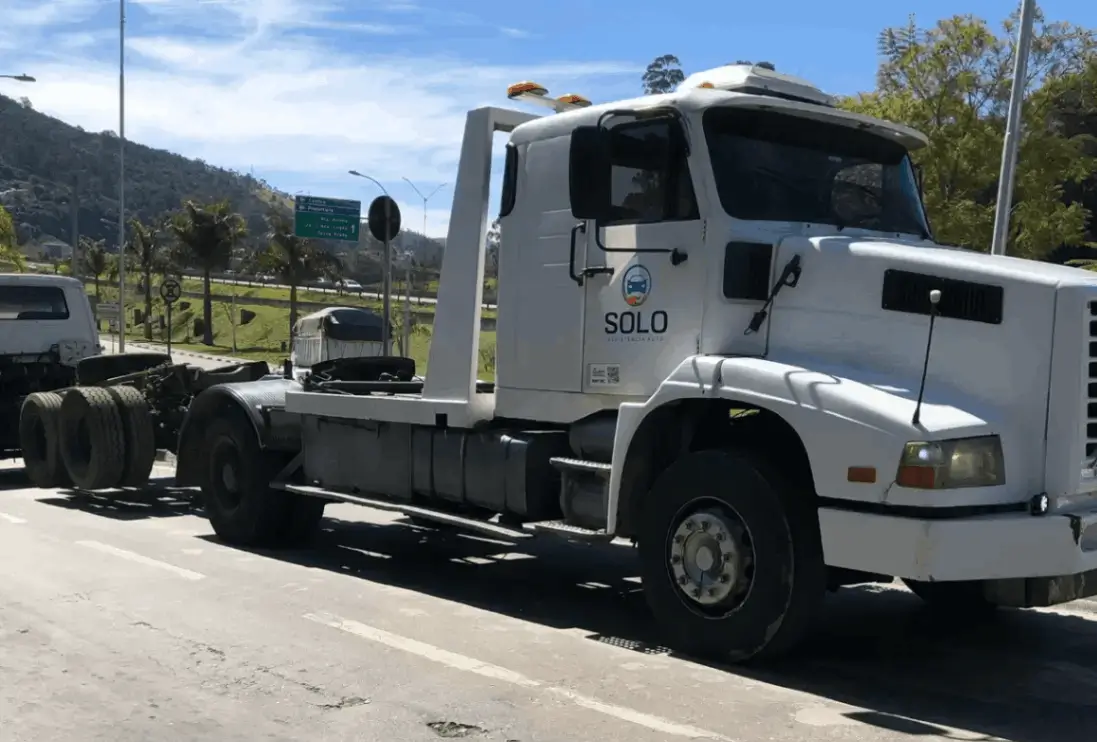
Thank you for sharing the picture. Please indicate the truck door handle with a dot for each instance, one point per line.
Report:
(595, 270)
(577, 277)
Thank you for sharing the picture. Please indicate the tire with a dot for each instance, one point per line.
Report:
(139, 433)
(97, 369)
(963, 598)
(39, 438)
(93, 441)
(762, 602)
(239, 502)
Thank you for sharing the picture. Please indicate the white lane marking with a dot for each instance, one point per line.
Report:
(495, 672)
(12, 519)
(141, 559)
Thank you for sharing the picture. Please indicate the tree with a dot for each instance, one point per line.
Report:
(207, 233)
(663, 75)
(146, 247)
(294, 260)
(952, 82)
(492, 250)
(96, 260)
(9, 250)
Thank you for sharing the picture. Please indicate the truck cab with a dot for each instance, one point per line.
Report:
(726, 334)
(46, 328)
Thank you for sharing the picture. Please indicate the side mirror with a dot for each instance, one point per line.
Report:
(588, 173)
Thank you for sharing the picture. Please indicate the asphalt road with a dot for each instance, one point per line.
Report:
(123, 619)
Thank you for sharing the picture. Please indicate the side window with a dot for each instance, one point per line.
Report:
(650, 179)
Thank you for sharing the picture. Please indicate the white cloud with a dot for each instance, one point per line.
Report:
(270, 91)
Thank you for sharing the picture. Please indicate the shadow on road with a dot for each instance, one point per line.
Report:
(1021, 676)
(158, 500)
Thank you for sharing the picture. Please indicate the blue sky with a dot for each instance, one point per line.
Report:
(298, 91)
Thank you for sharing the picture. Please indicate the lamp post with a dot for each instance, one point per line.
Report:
(1013, 126)
(18, 78)
(422, 236)
(121, 176)
(386, 272)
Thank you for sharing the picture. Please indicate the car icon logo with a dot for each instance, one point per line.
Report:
(636, 285)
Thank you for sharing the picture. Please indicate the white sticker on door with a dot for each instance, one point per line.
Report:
(604, 374)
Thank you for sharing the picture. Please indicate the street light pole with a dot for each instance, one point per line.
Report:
(121, 176)
(1013, 133)
(18, 78)
(386, 272)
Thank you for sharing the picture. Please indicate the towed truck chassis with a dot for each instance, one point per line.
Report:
(105, 431)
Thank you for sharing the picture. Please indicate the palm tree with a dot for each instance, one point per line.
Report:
(208, 233)
(96, 260)
(9, 251)
(294, 260)
(146, 248)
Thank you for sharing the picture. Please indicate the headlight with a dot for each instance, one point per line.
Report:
(943, 465)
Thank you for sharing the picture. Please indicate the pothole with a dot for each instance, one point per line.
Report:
(454, 730)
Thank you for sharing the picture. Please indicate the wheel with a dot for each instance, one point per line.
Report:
(731, 559)
(239, 502)
(962, 597)
(139, 434)
(92, 438)
(97, 369)
(39, 425)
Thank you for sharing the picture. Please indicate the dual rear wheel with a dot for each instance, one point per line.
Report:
(88, 437)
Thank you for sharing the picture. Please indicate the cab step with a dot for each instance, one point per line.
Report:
(568, 531)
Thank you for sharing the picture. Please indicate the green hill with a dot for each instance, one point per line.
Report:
(41, 157)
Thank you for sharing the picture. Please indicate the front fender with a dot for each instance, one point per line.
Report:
(845, 417)
(261, 401)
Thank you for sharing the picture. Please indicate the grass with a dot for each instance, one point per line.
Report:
(305, 295)
(263, 337)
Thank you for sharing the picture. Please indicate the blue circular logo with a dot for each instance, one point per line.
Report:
(636, 285)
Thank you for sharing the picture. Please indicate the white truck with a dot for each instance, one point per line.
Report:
(725, 334)
(46, 329)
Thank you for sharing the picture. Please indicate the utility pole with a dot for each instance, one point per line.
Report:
(1013, 130)
(422, 247)
(121, 176)
(74, 207)
(386, 281)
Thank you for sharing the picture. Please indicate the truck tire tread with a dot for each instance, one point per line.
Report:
(92, 438)
(790, 576)
(140, 435)
(39, 439)
(250, 513)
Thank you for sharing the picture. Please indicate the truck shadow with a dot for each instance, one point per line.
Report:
(159, 499)
(1022, 676)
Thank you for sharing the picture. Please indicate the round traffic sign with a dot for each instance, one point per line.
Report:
(384, 218)
(170, 290)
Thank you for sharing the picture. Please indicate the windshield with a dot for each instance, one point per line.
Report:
(32, 302)
(772, 166)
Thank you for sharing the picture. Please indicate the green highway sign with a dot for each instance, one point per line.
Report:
(318, 218)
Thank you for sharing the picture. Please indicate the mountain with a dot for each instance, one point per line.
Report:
(41, 157)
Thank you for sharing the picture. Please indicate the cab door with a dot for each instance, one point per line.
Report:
(644, 276)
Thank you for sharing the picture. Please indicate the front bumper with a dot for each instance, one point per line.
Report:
(1015, 552)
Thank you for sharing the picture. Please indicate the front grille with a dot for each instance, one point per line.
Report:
(1091, 383)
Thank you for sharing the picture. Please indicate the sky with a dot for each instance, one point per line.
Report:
(297, 92)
